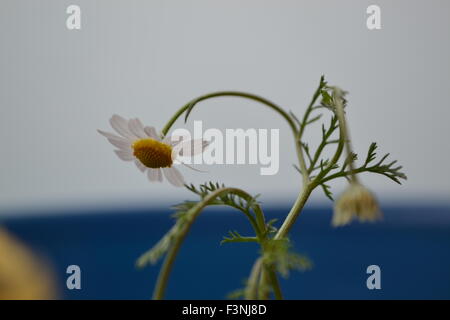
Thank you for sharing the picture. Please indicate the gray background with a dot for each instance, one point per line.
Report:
(147, 58)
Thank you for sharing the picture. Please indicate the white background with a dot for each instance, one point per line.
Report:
(146, 59)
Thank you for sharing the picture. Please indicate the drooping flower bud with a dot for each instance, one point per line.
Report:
(356, 202)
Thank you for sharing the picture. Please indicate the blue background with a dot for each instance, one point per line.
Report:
(411, 246)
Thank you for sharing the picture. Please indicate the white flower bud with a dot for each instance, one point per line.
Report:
(356, 202)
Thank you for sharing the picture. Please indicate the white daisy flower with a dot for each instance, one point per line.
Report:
(152, 156)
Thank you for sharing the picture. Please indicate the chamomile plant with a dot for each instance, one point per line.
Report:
(155, 154)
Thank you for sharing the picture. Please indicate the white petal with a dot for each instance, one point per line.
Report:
(111, 135)
(192, 168)
(140, 165)
(189, 148)
(121, 144)
(151, 132)
(124, 155)
(135, 126)
(168, 140)
(121, 126)
(154, 175)
(173, 176)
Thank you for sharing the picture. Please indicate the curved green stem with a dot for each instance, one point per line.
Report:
(251, 292)
(191, 215)
(164, 273)
(345, 133)
(294, 212)
(304, 195)
(189, 106)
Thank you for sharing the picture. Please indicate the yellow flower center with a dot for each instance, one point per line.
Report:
(152, 153)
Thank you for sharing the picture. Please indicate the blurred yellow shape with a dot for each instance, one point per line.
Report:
(22, 275)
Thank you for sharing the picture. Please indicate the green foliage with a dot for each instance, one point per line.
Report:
(328, 100)
(236, 294)
(351, 157)
(370, 165)
(153, 255)
(388, 170)
(278, 253)
(320, 169)
(234, 236)
(184, 215)
(371, 154)
(326, 190)
(271, 229)
(228, 199)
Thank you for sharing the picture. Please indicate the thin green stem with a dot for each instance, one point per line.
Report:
(304, 195)
(275, 284)
(263, 286)
(269, 277)
(260, 222)
(308, 111)
(318, 180)
(189, 106)
(342, 138)
(343, 174)
(303, 124)
(323, 144)
(345, 133)
(251, 292)
(295, 211)
(166, 268)
(254, 222)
